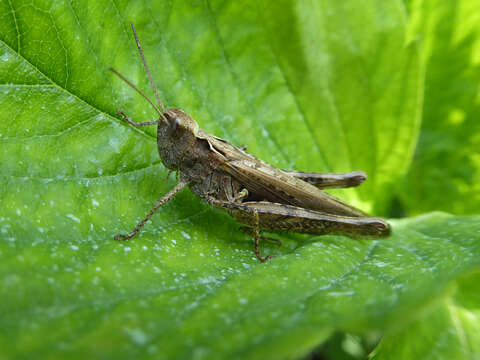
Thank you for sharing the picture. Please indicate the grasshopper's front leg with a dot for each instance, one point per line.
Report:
(330, 180)
(133, 123)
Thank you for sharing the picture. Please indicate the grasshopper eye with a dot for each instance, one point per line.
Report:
(176, 129)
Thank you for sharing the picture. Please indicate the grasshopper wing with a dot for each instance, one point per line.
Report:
(265, 182)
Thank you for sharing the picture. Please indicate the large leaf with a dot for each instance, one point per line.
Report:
(130, 301)
(448, 330)
(446, 172)
(307, 85)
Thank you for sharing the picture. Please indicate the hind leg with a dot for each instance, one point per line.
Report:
(250, 231)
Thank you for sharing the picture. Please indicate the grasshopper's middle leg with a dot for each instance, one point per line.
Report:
(164, 199)
(329, 180)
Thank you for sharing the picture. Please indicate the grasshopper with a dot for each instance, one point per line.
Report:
(257, 194)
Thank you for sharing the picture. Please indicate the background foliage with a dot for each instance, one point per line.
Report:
(308, 85)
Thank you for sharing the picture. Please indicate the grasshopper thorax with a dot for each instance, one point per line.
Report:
(175, 137)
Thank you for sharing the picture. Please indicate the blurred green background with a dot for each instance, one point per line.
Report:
(384, 86)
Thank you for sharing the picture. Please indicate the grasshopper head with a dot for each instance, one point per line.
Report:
(176, 131)
(175, 137)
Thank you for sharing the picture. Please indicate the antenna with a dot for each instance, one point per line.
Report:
(147, 70)
(137, 90)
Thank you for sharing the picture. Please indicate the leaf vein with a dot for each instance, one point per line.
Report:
(289, 87)
(16, 24)
(236, 79)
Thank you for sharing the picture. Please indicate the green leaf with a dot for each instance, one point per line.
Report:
(448, 330)
(305, 85)
(127, 301)
(445, 174)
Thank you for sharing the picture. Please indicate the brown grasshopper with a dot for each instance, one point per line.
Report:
(257, 194)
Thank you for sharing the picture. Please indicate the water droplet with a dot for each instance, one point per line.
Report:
(73, 217)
